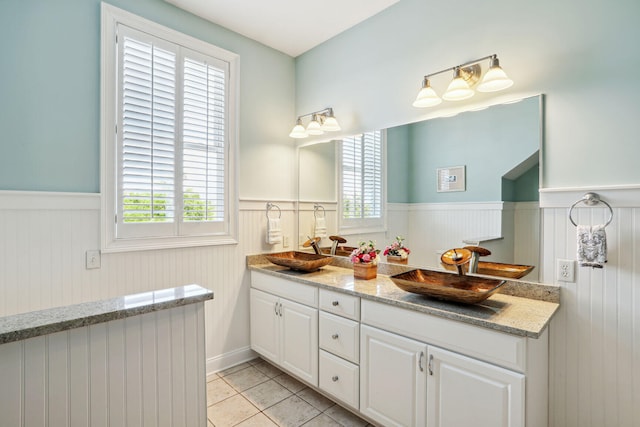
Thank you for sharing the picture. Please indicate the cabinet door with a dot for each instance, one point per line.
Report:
(466, 392)
(299, 337)
(393, 378)
(265, 324)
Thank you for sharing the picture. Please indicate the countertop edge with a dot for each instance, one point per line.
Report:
(23, 326)
(447, 314)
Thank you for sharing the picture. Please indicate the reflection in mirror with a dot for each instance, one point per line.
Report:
(498, 208)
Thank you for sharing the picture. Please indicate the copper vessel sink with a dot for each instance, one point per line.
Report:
(487, 268)
(447, 286)
(301, 261)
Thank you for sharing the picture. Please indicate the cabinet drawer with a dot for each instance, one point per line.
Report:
(294, 291)
(340, 336)
(339, 378)
(340, 304)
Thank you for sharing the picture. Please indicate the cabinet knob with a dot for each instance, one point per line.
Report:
(335, 303)
(334, 378)
(334, 336)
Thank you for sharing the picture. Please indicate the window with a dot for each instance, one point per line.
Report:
(362, 177)
(169, 139)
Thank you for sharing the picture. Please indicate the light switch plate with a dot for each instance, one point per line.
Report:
(92, 259)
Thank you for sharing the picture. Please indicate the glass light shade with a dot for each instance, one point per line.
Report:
(427, 97)
(458, 89)
(298, 131)
(495, 79)
(314, 128)
(330, 124)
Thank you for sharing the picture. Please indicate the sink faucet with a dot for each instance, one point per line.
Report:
(313, 242)
(476, 253)
(336, 240)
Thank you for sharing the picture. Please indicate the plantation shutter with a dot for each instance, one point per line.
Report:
(147, 130)
(362, 172)
(351, 177)
(204, 131)
(172, 151)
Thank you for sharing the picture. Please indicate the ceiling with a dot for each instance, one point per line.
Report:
(290, 26)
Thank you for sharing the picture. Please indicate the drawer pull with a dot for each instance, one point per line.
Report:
(431, 364)
(420, 361)
(335, 303)
(334, 378)
(334, 336)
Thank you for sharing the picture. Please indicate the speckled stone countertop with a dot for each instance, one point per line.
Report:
(36, 323)
(520, 308)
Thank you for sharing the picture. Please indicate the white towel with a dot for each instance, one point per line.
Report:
(320, 227)
(274, 232)
(592, 246)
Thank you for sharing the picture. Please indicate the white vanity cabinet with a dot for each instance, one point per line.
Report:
(282, 330)
(393, 380)
(339, 332)
(467, 392)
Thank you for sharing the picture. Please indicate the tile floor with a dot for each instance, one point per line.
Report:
(258, 394)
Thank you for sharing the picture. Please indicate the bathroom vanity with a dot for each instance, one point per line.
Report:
(401, 359)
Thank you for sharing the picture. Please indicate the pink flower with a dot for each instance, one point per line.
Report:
(366, 258)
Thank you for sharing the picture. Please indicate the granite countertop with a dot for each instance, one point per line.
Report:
(520, 308)
(48, 321)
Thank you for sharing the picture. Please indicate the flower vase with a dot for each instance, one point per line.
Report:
(365, 271)
(397, 259)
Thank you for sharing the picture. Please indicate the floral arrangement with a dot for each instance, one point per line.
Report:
(397, 248)
(365, 253)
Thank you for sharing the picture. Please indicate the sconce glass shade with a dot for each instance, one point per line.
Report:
(495, 78)
(330, 124)
(458, 88)
(427, 97)
(298, 131)
(314, 128)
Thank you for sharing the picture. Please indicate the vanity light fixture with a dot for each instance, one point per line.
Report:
(321, 121)
(465, 77)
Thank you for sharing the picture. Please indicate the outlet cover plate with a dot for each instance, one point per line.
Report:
(566, 270)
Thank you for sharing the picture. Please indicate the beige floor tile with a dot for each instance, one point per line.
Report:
(266, 394)
(291, 412)
(258, 420)
(218, 390)
(212, 377)
(231, 411)
(290, 383)
(344, 417)
(323, 420)
(209, 424)
(233, 369)
(268, 369)
(245, 378)
(315, 399)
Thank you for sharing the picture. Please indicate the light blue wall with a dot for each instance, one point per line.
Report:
(398, 185)
(50, 96)
(581, 54)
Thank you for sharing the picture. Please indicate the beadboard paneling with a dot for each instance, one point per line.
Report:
(595, 336)
(44, 237)
(146, 370)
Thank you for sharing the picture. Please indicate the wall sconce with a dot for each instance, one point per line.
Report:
(465, 77)
(321, 121)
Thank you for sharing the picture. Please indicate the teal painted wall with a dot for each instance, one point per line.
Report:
(398, 183)
(50, 96)
(489, 143)
(371, 74)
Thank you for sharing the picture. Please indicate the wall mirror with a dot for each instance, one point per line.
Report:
(497, 148)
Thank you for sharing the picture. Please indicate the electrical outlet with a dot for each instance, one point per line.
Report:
(566, 270)
(92, 259)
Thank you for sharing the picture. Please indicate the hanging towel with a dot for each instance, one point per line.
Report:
(592, 246)
(321, 227)
(274, 232)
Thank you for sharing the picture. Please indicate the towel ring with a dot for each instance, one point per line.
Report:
(318, 207)
(273, 206)
(591, 199)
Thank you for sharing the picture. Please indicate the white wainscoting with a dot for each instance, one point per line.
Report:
(595, 336)
(44, 237)
(146, 370)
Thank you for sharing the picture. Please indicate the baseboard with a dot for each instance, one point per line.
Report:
(227, 360)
